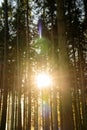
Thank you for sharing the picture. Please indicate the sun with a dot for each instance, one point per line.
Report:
(43, 80)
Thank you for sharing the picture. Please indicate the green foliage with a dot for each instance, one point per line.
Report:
(42, 46)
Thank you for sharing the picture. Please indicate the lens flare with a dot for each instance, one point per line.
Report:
(43, 80)
(40, 28)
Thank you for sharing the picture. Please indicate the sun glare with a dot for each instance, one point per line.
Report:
(43, 80)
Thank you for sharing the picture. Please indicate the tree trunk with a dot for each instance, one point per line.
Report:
(4, 111)
(19, 127)
(28, 70)
(36, 111)
(64, 75)
(5, 86)
(76, 101)
(12, 116)
(83, 87)
(55, 111)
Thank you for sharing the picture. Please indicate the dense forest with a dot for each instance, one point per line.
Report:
(50, 37)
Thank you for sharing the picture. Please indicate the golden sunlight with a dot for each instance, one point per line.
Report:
(43, 80)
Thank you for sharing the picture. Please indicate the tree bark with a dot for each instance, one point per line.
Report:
(5, 86)
(64, 75)
(83, 87)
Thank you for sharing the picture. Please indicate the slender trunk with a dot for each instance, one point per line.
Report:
(55, 114)
(16, 112)
(24, 114)
(43, 112)
(81, 68)
(28, 125)
(4, 111)
(47, 123)
(5, 86)
(18, 67)
(51, 116)
(28, 71)
(76, 95)
(12, 116)
(36, 111)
